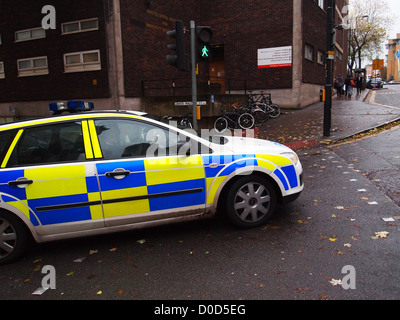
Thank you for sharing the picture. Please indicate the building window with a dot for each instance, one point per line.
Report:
(80, 26)
(2, 74)
(32, 66)
(339, 54)
(82, 61)
(30, 34)
(320, 57)
(309, 52)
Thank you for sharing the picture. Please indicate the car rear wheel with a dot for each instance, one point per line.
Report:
(251, 201)
(13, 238)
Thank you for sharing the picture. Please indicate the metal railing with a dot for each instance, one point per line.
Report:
(183, 86)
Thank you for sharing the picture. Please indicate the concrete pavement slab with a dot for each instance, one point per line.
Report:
(304, 128)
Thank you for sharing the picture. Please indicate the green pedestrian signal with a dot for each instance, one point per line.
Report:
(205, 52)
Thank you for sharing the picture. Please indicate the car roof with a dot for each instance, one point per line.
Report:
(66, 116)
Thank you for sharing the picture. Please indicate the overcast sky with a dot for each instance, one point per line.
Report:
(395, 6)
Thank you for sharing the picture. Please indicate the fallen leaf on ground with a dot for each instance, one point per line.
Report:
(380, 234)
(335, 282)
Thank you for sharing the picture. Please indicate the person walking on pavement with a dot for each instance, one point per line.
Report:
(349, 82)
(359, 83)
(339, 85)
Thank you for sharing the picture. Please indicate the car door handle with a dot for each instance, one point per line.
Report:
(20, 182)
(118, 173)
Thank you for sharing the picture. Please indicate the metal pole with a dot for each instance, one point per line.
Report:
(329, 70)
(194, 82)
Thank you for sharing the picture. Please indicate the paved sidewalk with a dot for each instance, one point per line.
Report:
(304, 128)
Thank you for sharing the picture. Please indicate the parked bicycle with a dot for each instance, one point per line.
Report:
(235, 119)
(264, 102)
(255, 110)
(186, 120)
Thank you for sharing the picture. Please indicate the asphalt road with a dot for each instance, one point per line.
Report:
(299, 254)
(338, 222)
(388, 96)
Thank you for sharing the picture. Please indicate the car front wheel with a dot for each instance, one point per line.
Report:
(251, 201)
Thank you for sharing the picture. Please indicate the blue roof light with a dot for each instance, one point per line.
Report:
(71, 106)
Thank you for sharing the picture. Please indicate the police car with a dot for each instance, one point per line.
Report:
(92, 172)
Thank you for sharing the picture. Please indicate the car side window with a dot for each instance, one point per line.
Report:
(62, 142)
(121, 138)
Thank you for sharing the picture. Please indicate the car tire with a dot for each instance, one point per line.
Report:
(250, 202)
(14, 237)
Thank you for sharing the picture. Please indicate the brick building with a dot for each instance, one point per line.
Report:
(113, 53)
(393, 59)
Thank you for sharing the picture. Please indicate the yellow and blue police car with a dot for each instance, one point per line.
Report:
(92, 172)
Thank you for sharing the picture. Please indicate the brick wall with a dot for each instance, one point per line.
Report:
(26, 14)
(240, 26)
(314, 35)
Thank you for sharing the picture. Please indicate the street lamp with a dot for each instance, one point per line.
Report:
(330, 44)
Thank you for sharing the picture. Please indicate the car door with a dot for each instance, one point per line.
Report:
(48, 175)
(141, 175)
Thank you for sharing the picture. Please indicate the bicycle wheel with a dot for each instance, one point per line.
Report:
(221, 124)
(274, 111)
(259, 116)
(246, 121)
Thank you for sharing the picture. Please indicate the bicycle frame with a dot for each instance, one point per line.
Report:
(261, 97)
(232, 118)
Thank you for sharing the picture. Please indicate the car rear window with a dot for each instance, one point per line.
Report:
(5, 141)
(61, 142)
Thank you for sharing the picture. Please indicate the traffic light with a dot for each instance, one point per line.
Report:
(179, 59)
(203, 35)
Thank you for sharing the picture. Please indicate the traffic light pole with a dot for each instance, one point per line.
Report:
(329, 69)
(194, 80)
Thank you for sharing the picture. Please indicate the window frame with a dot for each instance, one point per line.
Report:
(32, 71)
(2, 73)
(79, 22)
(30, 34)
(82, 66)
(320, 57)
(308, 46)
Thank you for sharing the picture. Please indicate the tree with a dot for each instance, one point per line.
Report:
(368, 21)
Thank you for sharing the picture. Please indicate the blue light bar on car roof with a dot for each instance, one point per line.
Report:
(71, 106)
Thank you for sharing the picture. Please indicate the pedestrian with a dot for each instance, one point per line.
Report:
(349, 82)
(339, 85)
(359, 83)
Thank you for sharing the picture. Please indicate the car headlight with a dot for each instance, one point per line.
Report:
(292, 156)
